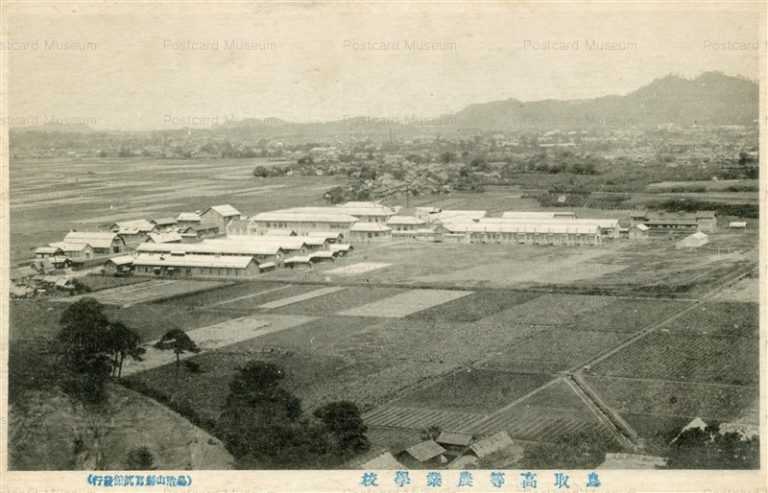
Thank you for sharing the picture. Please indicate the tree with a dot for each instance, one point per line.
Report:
(261, 172)
(179, 342)
(582, 450)
(344, 421)
(431, 432)
(83, 345)
(140, 459)
(122, 342)
(709, 449)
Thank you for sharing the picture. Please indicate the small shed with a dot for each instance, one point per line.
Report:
(492, 444)
(454, 440)
(298, 261)
(737, 225)
(121, 265)
(428, 453)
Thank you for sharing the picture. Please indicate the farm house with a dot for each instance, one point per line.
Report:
(75, 252)
(220, 216)
(196, 266)
(188, 219)
(102, 243)
(405, 223)
(259, 252)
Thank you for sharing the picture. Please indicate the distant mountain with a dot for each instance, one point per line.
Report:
(711, 98)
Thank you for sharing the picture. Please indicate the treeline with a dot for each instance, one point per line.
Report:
(750, 211)
(262, 424)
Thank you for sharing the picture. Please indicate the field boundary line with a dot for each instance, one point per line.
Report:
(620, 429)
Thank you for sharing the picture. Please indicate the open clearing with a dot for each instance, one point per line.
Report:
(358, 268)
(403, 304)
(151, 290)
(746, 290)
(214, 337)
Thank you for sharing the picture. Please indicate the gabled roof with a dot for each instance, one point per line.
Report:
(514, 227)
(224, 210)
(95, 239)
(211, 247)
(321, 254)
(164, 221)
(283, 242)
(297, 260)
(457, 439)
(491, 444)
(537, 214)
(121, 260)
(425, 450)
(67, 246)
(188, 217)
(208, 261)
(324, 234)
(165, 237)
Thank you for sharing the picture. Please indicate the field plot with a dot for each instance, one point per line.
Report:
(554, 309)
(476, 306)
(689, 400)
(214, 337)
(746, 290)
(315, 293)
(421, 418)
(355, 269)
(473, 390)
(689, 358)
(403, 304)
(551, 350)
(340, 300)
(624, 315)
(245, 298)
(151, 290)
(545, 416)
(726, 319)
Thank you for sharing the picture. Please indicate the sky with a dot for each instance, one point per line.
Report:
(153, 66)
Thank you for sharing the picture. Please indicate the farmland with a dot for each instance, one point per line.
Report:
(472, 337)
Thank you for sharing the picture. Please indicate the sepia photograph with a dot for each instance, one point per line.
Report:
(436, 245)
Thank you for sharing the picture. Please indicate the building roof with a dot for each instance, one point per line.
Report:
(679, 221)
(284, 242)
(706, 214)
(280, 232)
(224, 210)
(426, 450)
(514, 227)
(457, 439)
(369, 227)
(67, 246)
(137, 225)
(170, 237)
(737, 224)
(491, 444)
(536, 214)
(546, 220)
(321, 254)
(339, 247)
(325, 234)
(48, 249)
(303, 217)
(93, 238)
(207, 261)
(459, 215)
(315, 240)
(303, 259)
(121, 260)
(188, 217)
(642, 227)
(211, 247)
(405, 220)
(164, 221)
(382, 461)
